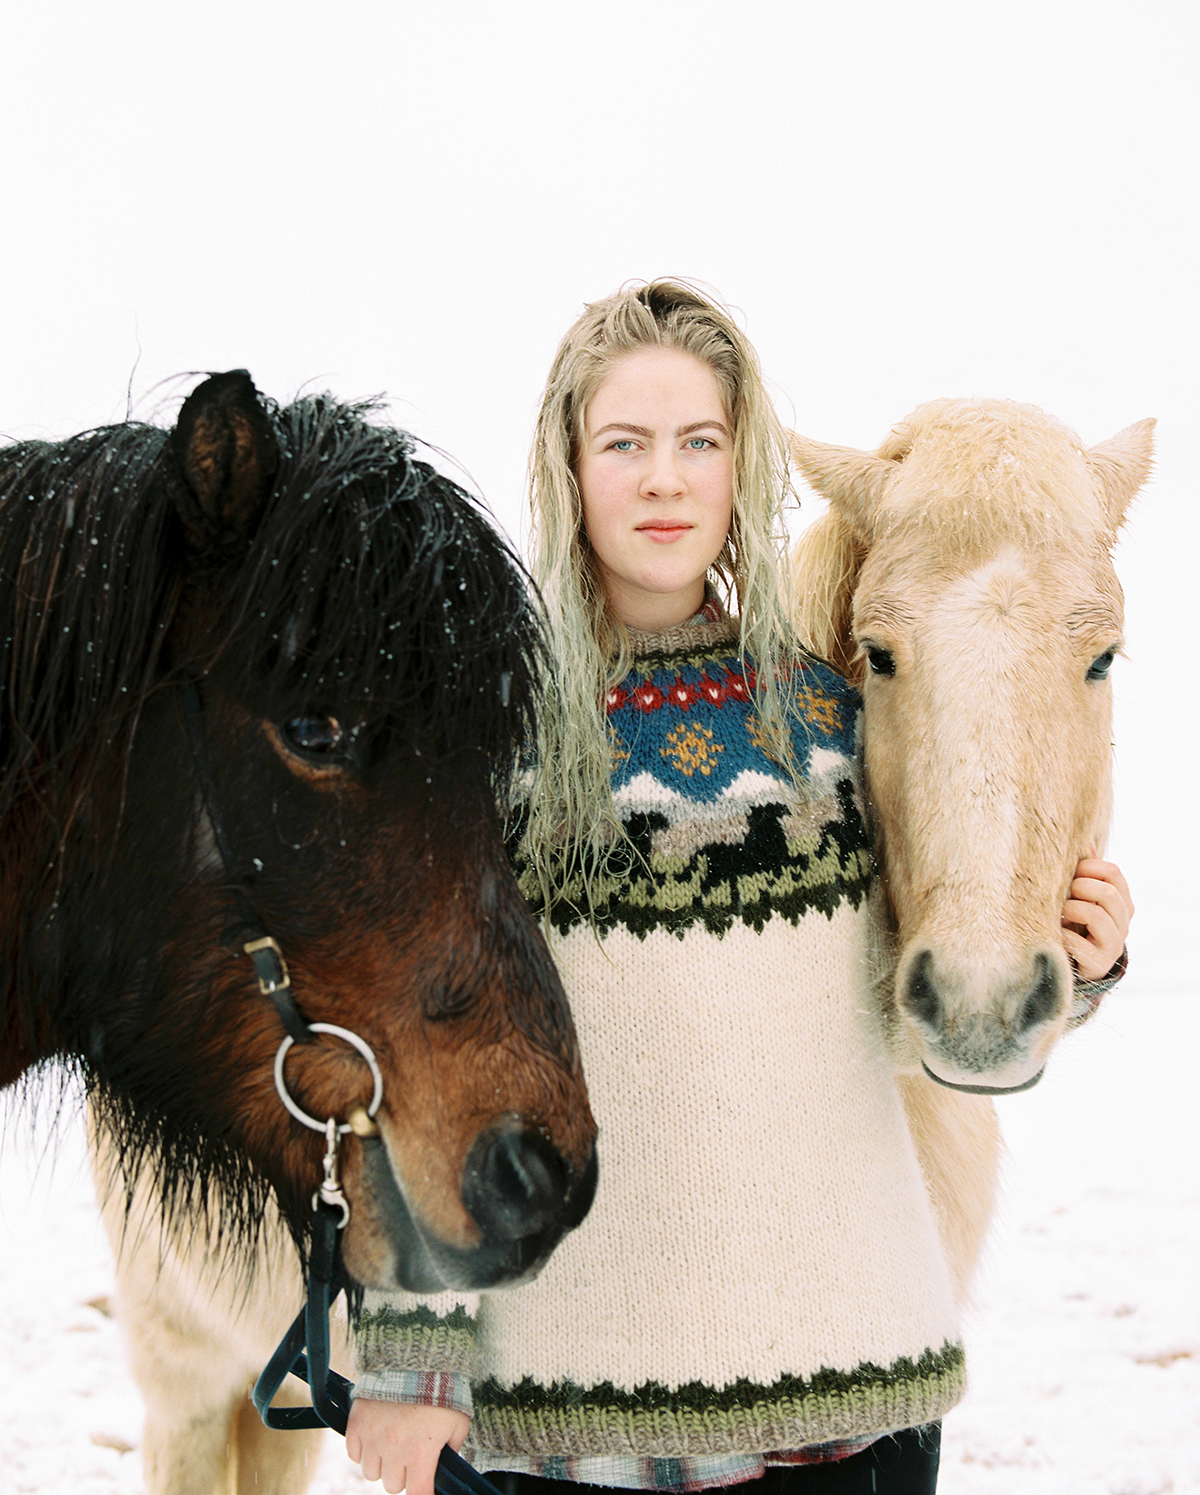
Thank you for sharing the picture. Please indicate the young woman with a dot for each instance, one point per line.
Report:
(759, 1291)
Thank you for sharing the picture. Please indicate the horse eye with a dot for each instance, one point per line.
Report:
(317, 736)
(881, 661)
(1100, 666)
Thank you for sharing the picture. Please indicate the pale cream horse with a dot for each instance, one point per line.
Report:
(963, 577)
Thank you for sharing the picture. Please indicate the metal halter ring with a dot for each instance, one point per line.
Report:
(355, 1042)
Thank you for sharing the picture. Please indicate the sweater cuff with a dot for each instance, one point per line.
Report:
(1087, 994)
(400, 1332)
(420, 1388)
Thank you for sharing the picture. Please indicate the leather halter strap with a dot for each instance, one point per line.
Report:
(984, 1089)
(269, 964)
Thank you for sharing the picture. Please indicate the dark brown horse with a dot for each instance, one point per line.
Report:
(357, 651)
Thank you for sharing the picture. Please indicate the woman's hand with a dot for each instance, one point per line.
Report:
(1096, 917)
(400, 1443)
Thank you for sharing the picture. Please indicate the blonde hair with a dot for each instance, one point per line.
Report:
(571, 807)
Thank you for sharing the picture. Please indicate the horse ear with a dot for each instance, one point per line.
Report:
(1121, 465)
(854, 482)
(227, 453)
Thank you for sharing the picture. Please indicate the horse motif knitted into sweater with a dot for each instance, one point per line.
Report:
(761, 1268)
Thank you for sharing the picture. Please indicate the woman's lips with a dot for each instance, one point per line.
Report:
(663, 530)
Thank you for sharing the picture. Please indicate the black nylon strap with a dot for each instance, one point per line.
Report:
(454, 1476)
(330, 1391)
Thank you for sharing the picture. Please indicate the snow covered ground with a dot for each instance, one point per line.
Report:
(1084, 1343)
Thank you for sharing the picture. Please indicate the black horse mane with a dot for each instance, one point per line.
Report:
(371, 580)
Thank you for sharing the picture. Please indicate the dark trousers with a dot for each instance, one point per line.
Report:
(901, 1464)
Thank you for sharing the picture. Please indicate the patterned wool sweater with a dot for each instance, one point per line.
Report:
(761, 1268)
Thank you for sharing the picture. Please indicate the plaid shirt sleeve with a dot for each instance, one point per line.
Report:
(1088, 994)
(420, 1388)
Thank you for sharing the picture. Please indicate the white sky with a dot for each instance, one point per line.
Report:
(902, 200)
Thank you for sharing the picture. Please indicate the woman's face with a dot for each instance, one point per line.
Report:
(656, 478)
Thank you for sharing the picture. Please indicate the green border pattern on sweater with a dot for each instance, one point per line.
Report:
(697, 1419)
(416, 1339)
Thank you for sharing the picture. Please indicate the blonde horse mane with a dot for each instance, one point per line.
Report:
(825, 564)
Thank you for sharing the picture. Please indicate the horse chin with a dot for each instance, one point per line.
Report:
(387, 1247)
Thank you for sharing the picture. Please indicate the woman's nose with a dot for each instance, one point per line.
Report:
(662, 478)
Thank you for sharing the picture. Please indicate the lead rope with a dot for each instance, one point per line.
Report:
(309, 1331)
(304, 1349)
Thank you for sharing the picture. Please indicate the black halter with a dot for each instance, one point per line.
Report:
(269, 964)
(984, 1089)
(309, 1332)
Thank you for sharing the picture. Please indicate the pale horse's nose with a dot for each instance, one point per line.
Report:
(1041, 1003)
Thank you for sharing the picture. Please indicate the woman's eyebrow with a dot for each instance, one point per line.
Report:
(618, 425)
(699, 425)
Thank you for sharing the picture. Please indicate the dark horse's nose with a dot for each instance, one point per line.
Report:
(515, 1184)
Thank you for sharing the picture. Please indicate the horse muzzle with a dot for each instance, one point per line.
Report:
(519, 1191)
(982, 1036)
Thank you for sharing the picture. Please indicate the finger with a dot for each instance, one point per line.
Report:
(1117, 878)
(1101, 927)
(1088, 964)
(1104, 894)
(1098, 936)
(420, 1473)
(1107, 872)
(372, 1464)
(353, 1446)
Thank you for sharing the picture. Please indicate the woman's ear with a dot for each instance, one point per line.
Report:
(227, 455)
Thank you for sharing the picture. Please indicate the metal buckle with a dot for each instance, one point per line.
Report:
(267, 987)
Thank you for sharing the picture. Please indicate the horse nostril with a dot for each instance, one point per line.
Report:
(514, 1184)
(1043, 1001)
(921, 997)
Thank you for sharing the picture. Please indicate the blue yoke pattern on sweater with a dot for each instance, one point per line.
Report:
(711, 840)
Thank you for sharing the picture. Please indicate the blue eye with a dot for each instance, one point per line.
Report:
(698, 443)
(623, 446)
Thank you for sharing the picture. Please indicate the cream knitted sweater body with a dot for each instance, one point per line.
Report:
(761, 1268)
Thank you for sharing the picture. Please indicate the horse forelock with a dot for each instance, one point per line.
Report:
(371, 578)
(376, 581)
(991, 471)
